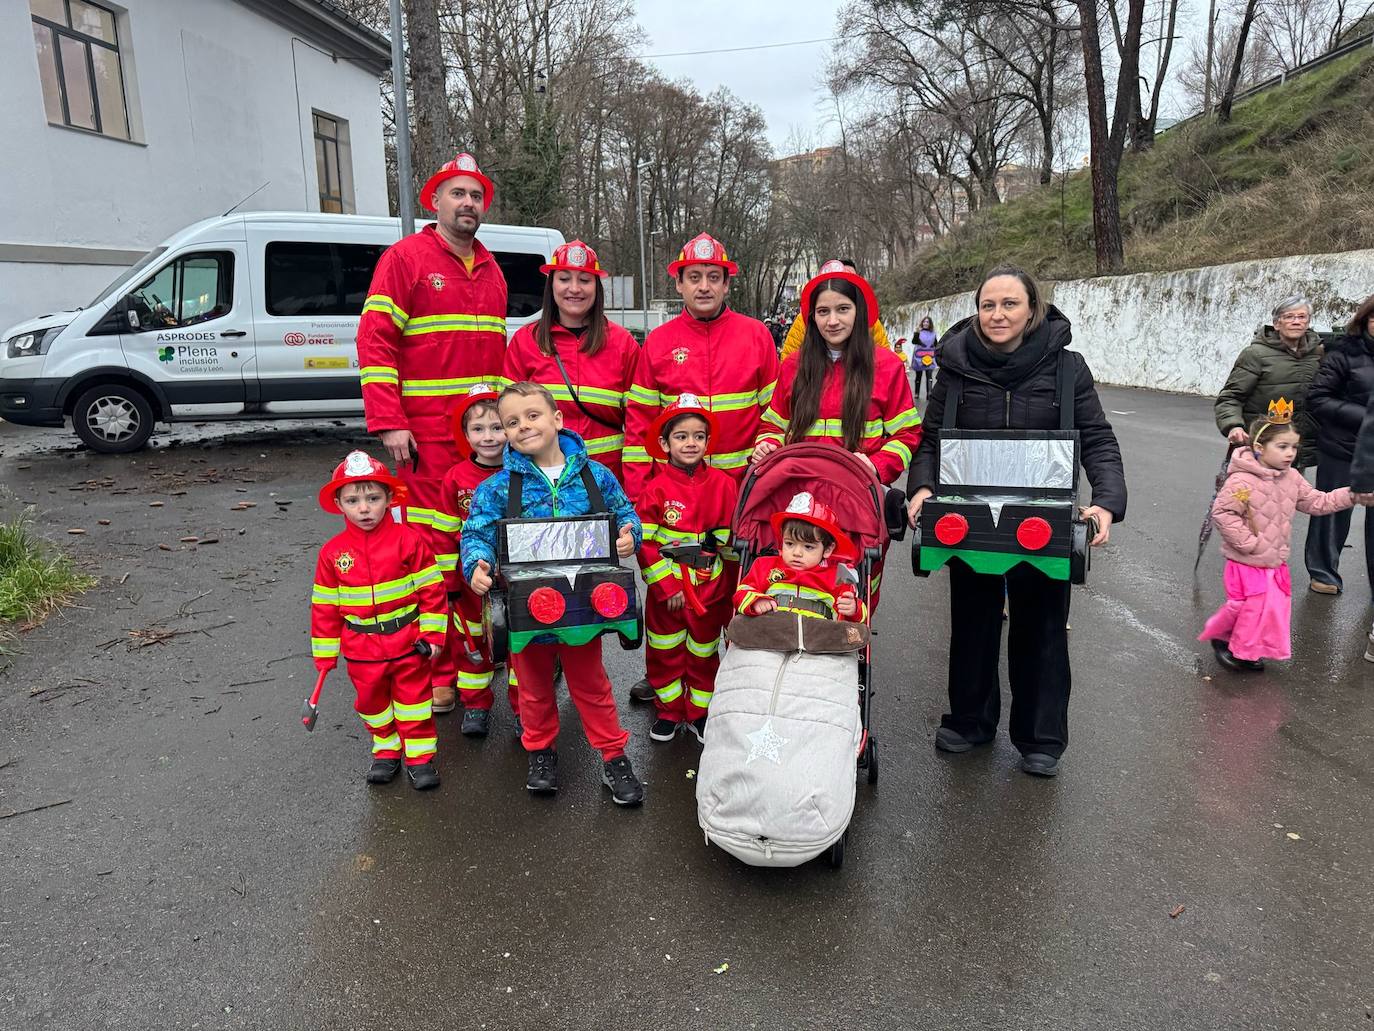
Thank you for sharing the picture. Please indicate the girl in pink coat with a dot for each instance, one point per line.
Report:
(1254, 512)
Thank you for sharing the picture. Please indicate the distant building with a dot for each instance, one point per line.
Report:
(125, 123)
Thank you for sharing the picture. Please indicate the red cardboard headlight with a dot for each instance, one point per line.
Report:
(610, 600)
(546, 605)
(950, 529)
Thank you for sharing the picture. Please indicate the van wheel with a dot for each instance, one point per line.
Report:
(113, 419)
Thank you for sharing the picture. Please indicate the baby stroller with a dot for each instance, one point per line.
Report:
(770, 813)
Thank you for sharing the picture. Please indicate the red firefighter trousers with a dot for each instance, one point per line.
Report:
(396, 702)
(475, 675)
(587, 685)
(682, 656)
(423, 502)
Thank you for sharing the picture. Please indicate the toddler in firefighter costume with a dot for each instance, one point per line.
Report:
(686, 503)
(478, 434)
(555, 478)
(379, 602)
(806, 574)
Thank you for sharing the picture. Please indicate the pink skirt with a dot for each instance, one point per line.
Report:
(1257, 617)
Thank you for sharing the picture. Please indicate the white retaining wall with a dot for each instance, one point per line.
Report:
(1178, 331)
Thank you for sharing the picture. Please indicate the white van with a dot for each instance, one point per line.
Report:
(246, 316)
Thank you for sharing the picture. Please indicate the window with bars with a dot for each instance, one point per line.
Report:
(79, 65)
(333, 164)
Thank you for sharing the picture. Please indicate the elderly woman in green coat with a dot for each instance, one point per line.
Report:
(1279, 362)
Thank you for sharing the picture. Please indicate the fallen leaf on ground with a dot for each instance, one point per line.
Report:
(1294, 837)
(691, 774)
(189, 540)
(103, 522)
(76, 531)
(722, 968)
(164, 547)
(155, 504)
(1176, 912)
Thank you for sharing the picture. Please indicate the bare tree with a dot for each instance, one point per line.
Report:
(1228, 95)
(1143, 131)
(433, 121)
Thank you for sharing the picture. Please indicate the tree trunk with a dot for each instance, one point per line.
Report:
(1228, 97)
(432, 127)
(1105, 159)
(1211, 57)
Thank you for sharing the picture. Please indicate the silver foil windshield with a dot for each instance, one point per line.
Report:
(559, 540)
(1009, 462)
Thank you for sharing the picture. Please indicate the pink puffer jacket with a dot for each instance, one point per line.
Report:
(1254, 510)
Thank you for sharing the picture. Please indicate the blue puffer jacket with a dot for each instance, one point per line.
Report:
(568, 497)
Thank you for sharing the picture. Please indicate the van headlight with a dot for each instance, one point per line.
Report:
(25, 345)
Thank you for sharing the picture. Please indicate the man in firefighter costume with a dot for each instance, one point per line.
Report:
(379, 602)
(433, 327)
(724, 358)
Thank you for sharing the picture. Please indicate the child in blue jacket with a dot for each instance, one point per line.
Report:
(550, 461)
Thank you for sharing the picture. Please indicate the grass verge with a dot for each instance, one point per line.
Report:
(35, 577)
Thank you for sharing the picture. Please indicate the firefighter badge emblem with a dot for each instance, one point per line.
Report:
(703, 248)
(436, 281)
(672, 512)
(680, 354)
(344, 562)
(466, 163)
(463, 502)
(577, 256)
(776, 575)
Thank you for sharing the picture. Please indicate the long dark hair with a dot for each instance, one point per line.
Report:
(592, 340)
(813, 362)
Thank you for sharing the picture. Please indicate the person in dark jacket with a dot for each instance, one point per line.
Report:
(1340, 392)
(1006, 360)
(1279, 362)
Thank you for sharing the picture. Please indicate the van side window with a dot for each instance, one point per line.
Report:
(524, 283)
(193, 289)
(318, 279)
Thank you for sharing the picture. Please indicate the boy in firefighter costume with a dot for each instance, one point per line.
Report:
(685, 505)
(806, 574)
(379, 602)
(478, 434)
(552, 468)
(433, 326)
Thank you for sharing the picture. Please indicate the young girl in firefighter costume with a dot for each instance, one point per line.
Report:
(478, 434)
(586, 361)
(685, 505)
(379, 602)
(551, 466)
(806, 574)
(1254, 512)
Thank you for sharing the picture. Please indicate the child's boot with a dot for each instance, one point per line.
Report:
(620, 777)
(665, 729)
(475, 722)
(423, 776)
(383, 771)
(543, 777)
(698, 728)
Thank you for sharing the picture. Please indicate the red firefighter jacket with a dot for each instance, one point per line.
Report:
(680, 507)
(367, 576)
(771, 576)
(455, 498)
(729, 362)
(429, 330)
(602, 380)
(892, 429)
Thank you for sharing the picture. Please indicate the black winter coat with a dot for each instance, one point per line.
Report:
(1028, 404)
(1340, 393)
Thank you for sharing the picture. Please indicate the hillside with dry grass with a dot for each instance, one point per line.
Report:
(1292, 174)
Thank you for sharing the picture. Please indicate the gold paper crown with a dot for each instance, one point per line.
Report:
(1280, 412)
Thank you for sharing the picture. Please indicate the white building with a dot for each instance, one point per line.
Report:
(125, 122)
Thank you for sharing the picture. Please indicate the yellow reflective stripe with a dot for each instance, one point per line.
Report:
(474, 628)
(449, 323)
(669, 692)
(324, 595)
(766, 394)
(665, 641)
(390, 590)
(605, 445)
(642, 395)
(324, 647)
(783, 588)
(667, 535)
(415, 711)
(390, 743)
(433, 622)
(474, 681)
(899, 449)
(421, 746)
(440, 520)
(448, 563)
(701, 699)
(777, 420)
(369, 620)
(903, 420)
(385, 305)
(732, 459)
(634, 453)
(748, 600)
(589, 395)
(660, 570)
(379, 719)
(835, 428)
(379, 374)
(428, 575)
(702, 649)
(440, 387)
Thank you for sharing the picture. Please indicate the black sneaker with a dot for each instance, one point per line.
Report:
(519, 729)
(663, 729)
(1224, 656)
(697, 728)
(423, 776)
(543, 778)
(1039, 764)
(475, 722)
(620, 778)
(947, 740)
(642, 691)
(383, 771)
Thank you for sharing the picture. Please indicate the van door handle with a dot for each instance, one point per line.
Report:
(233, 333)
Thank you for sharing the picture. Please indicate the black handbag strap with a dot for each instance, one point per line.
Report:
(515, 493)
(567, 382)
(952, 398)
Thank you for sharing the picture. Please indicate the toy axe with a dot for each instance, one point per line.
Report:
(310, 711)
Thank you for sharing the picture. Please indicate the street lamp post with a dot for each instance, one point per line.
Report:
(405, 182)
(643, 267)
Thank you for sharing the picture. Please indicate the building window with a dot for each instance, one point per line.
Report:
(333, 164)
(78, 62)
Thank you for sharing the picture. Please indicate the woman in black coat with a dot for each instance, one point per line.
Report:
(1336, 400)
(1006, 361)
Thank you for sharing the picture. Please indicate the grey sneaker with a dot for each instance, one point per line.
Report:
(620, 777)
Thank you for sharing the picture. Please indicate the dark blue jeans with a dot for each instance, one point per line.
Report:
(1326, 534)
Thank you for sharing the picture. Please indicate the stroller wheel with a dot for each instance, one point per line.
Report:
(872, 760)
(836, 855)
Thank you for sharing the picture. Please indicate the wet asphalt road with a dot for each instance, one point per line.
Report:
(217, 867)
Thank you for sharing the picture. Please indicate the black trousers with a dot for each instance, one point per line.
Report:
(1326, 535)
(1037, 657)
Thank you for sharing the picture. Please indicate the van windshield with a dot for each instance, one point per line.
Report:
(128, 274)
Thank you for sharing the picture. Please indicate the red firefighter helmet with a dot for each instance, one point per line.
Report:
(574, 257)
(463, 164)
(481, 392)
(686, 404)
(704, 249)
(359, 467)
(834, 269)
(805, 507)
